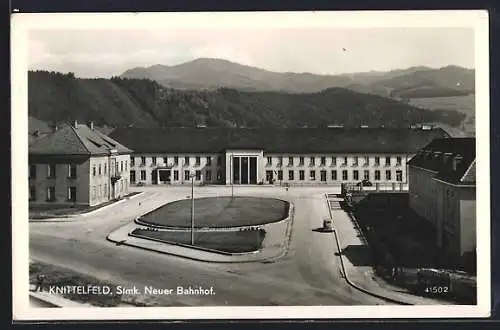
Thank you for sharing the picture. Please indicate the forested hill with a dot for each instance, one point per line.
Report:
(118, 102)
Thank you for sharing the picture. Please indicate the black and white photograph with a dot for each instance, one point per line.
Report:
(250, 165)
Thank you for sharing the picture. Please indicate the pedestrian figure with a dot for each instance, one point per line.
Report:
(39, 282)
(394, 273)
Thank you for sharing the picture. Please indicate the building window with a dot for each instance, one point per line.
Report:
(176, 175)
(186, 160)
(377, 175)
(186, 175)
(219, 175)
(387, 160)
(209, 161)
(280, 160)
(165, 160)
(198, 160)
(72, 171)
(99, 169)
(290, 175)
(323, 161)
(153, 160)
(312, 175)
(143, 160)
(51, 194)
(93, 170)
(398, 160)
(32, 193)
(219, 160)
(280, 175)
(322, 175)
(105, 169)
(208, 175)
(312, 161)
(377, 160)
(367, 161)
(106, 190)
(388, 175)
(399, 175)
(51, 171)
(269, 160)
(334, 175)
(355, 161)
(366, 175)
(143, 175)
(334, 161)
(355, 175)
(176, 160)
(198, 175)
(126, 166)
(301, 175)
(132, 161)
(32, 174)
(345, 161)
(132, 176)
(290, 161)
(301, 161)
(269, 176)
(72, 194)
(344, 175)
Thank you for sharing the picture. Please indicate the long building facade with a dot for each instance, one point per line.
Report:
(302, 156)
(77, 165)
(443, 191)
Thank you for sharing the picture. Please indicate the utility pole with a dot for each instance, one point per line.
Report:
(192, 209)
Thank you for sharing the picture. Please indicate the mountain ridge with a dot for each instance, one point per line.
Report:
(210, 73)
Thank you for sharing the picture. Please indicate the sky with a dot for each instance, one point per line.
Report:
(104, 53)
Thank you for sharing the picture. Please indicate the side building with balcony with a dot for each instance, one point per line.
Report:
(77, 165)
(292, 156)
(443, 192)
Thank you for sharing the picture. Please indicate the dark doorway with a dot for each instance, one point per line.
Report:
(236, 170)
(165, 175)
(253, 170)
(244, 170)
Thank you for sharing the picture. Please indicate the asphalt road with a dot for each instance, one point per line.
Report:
(308, 275)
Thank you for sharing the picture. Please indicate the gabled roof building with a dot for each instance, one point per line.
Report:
(77, 164)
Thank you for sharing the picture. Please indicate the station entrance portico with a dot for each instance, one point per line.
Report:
(243, 169)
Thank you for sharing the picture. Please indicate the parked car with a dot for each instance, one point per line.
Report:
(364, 183)
(327, 225)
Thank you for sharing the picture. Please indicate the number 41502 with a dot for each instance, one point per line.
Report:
(437, 289)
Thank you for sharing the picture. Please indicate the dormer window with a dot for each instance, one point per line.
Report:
(457, 161)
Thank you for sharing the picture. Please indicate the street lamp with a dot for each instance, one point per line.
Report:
(192, 207)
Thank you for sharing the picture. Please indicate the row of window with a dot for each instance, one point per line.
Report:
(51, 171)
(119, 167)
(322, 160)
(187, 176)
(50, 194)
(197, 160)
(334, 177)
(97, 192)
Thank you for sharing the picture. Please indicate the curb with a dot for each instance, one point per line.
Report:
(43, 301)
(180, 255)
(346, 277)
(271, 259)
(70, 217)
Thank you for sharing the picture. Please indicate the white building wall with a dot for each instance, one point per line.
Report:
(147, 172)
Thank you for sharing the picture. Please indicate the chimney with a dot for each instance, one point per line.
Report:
(75, 124)
(91, 125)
